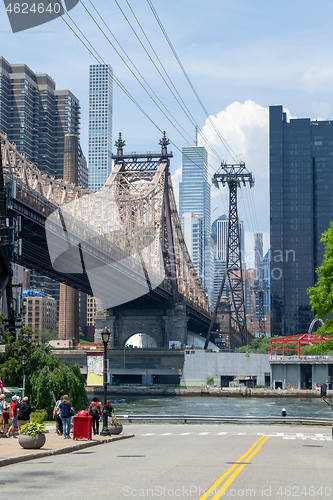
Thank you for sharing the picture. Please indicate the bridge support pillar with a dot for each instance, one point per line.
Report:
(104, 319)
(176, 325)
(162, 324)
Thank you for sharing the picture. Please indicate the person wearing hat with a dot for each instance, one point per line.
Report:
(23, 415)
(13, 416)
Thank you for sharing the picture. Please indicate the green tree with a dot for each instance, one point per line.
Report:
(45, 373)
(257, 346)
(321, 294)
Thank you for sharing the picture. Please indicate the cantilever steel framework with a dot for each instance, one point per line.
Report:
(135, 205)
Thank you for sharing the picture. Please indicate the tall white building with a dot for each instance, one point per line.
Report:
(195, 197)
(192, 230)
(100, 125)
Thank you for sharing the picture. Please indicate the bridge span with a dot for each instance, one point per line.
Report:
(122, 244)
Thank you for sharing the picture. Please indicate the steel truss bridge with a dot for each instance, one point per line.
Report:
(73, 235)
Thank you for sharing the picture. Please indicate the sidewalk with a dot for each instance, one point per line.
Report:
(11, 452)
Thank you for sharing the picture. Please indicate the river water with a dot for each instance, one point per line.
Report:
(222, 406)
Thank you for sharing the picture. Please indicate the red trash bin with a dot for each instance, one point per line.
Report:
(82, 427)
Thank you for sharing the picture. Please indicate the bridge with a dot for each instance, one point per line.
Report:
(122, 244)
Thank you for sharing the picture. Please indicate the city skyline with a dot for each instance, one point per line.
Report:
(274, 59)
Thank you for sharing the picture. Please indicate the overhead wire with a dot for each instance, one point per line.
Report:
(210, 119)
(121, 85)
(100, 60)
(175, 93)
(224, 142)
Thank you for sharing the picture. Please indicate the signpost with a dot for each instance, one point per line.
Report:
(323, 393)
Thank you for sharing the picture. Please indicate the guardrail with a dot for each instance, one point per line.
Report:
(222, 419)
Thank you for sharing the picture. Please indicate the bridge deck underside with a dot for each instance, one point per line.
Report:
(35, 255)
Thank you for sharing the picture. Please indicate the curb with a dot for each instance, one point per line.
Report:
(61, 451)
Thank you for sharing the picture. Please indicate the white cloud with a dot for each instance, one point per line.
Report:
(317, 77)
(176, 177)
(244, 126)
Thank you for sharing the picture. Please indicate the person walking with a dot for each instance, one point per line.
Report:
(95, 412)
(23, 414)
(2, 419)
(13, 416)
(66, 409)
(56, 416)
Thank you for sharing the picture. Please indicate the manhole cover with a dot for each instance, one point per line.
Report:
(130, 456)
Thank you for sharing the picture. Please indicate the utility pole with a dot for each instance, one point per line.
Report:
(233, 175)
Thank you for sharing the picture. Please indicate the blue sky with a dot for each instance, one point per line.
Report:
(240, 55)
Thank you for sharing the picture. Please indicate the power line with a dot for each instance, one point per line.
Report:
(179, 99)
(224, 142)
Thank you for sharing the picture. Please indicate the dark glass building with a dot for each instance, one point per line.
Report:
(301, 209)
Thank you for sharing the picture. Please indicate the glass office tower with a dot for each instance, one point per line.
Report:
(36, 116)
(301, 208)
(100, 125)
(195, 197)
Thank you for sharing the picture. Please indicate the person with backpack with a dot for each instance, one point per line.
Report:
(23, 414)
(95, 412)
(66, 412)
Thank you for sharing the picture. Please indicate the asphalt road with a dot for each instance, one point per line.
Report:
(185, 461)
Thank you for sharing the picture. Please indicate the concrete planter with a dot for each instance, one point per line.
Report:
(31, 441)
(115, 429)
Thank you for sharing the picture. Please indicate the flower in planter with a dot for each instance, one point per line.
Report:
(33, 429)
(38, 416)
(113, 419)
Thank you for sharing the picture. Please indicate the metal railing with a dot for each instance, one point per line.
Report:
(294, 358)
(222, 419)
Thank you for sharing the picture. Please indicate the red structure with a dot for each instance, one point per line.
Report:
(82, 427)
(283, 344)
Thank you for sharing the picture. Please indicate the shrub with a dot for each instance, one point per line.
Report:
(38, 416)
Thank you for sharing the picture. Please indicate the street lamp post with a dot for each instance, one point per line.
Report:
(24, 362)
(105, 337)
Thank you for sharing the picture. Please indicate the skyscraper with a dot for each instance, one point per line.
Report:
(100, 125)
(301, 207)
(258, 254)
(195, 197)
(192, 231)
(35, 116)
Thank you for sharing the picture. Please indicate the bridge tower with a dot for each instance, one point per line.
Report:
(233, 175)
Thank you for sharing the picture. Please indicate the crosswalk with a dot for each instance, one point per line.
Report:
(281, 435)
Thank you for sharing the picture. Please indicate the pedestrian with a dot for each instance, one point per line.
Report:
(66, 410)
(5, 413)
(24, 410)
(95, 412)
(2, 420)
(109, 407)
(56, 416)
(13, 416)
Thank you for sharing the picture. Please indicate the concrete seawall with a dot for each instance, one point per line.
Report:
(204, 392)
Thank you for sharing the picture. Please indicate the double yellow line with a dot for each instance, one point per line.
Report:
(239, 465)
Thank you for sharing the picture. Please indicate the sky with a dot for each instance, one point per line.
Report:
(240, 57)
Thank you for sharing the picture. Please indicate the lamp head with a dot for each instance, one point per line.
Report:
(24, 360)
(106, 335)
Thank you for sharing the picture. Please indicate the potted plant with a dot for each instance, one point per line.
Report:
(115, 427)
(32, 435)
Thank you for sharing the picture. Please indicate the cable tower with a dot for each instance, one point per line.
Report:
(234, 175)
